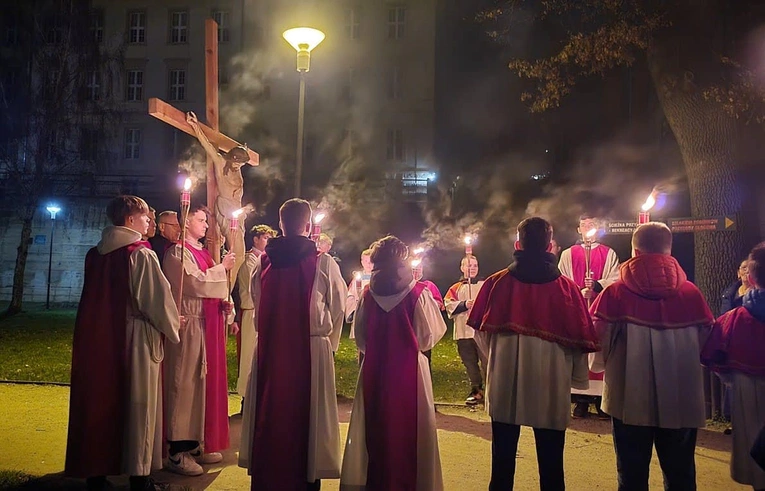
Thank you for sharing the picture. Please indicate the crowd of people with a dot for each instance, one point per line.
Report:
(149, 361)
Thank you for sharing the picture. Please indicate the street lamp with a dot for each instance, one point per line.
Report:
(53, 210)
(303, 39)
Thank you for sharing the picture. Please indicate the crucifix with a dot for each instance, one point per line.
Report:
(178, 119)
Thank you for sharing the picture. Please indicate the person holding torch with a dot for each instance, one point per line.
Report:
(593, 266)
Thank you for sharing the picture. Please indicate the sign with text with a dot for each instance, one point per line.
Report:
(40, 239)
(706, 224)
(620, 227)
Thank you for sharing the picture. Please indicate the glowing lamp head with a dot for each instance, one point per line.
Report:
(187, 184)
(357, 275)
(317, 219)
(53, 210)
(649, 203)
(418, 251)
(304, 40)
(416, 263)
(591, 233)
(237, 213)
(468, 240)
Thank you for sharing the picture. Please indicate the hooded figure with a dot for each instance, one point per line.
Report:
(392, 442)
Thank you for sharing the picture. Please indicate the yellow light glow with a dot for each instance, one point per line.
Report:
(187, 184)
(418, 251)
(649, 203)
(237, 213)
(319, 217)
(591, 233)
(468, 240)
(357, 275)
(416, 262)
(303, 38)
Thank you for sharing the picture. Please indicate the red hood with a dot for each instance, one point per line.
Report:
(653, 276)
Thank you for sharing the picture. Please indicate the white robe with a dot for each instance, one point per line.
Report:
(429, 328)
(610, 275)
(326, 314)
(186, 363)
(352, 301)
(529, 380)
(747, 418)
(451, 302)
(151, 313)
(653, 376)
(247, 327)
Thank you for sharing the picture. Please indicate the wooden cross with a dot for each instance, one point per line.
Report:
(176, 118)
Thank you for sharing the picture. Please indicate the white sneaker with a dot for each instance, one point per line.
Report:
(206, 458)
(184, 465)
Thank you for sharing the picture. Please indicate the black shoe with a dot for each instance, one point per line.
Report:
(728, 430)
(581, 410)
(475, 397)
(97, 483)
(145, 483)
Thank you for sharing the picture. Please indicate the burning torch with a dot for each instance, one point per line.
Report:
(233, 227)
(185, 205)
(357, 282)
(317, 219)
(416, 262)
(468, 252)
(645, 216)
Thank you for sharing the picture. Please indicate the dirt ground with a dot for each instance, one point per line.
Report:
(34, 418)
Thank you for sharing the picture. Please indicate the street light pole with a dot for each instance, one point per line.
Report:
(53, 210)
(303, 39)
(300, 139)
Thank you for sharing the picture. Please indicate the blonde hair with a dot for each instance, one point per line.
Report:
(652, 238)
(464, 263)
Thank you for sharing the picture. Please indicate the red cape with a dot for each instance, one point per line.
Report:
(554, 311)
(279, 458)
(736, 343)
(654, 292)
(99, 395)
(390, 367)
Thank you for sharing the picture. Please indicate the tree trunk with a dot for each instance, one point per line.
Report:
(21, 265)
(706, 137)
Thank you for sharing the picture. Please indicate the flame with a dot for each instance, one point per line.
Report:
(591, 233)
(418, 251)
(319, 217)
(237, 213)
(187, 184)
(416, 262)
(468, 240)
(649, 202)
(357, 275)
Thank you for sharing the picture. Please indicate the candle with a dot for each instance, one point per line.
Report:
(418, 251)
(416, 267)
(186, 193)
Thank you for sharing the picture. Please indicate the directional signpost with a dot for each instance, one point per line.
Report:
(677, 225)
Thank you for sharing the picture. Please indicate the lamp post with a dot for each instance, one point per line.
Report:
(303, 39)
(53, 210)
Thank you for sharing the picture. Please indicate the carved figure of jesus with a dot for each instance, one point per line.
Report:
(230, 184)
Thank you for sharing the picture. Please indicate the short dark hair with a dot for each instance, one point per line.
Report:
(535, 234)
(195, 207)
(652, 238)
(261, 230)
(389, 248)
(123, 206)
(757, 264)
(294, 214)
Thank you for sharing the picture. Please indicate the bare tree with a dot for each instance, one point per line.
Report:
(59, 108)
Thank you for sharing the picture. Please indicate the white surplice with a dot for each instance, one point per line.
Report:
(747, 404)
(327, 309)
(185, 364)
(429, 328)
(151, 313)
(247, 328)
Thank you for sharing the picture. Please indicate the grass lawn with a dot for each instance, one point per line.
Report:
(36, 346)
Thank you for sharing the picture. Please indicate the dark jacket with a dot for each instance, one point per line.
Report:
(730, 298)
